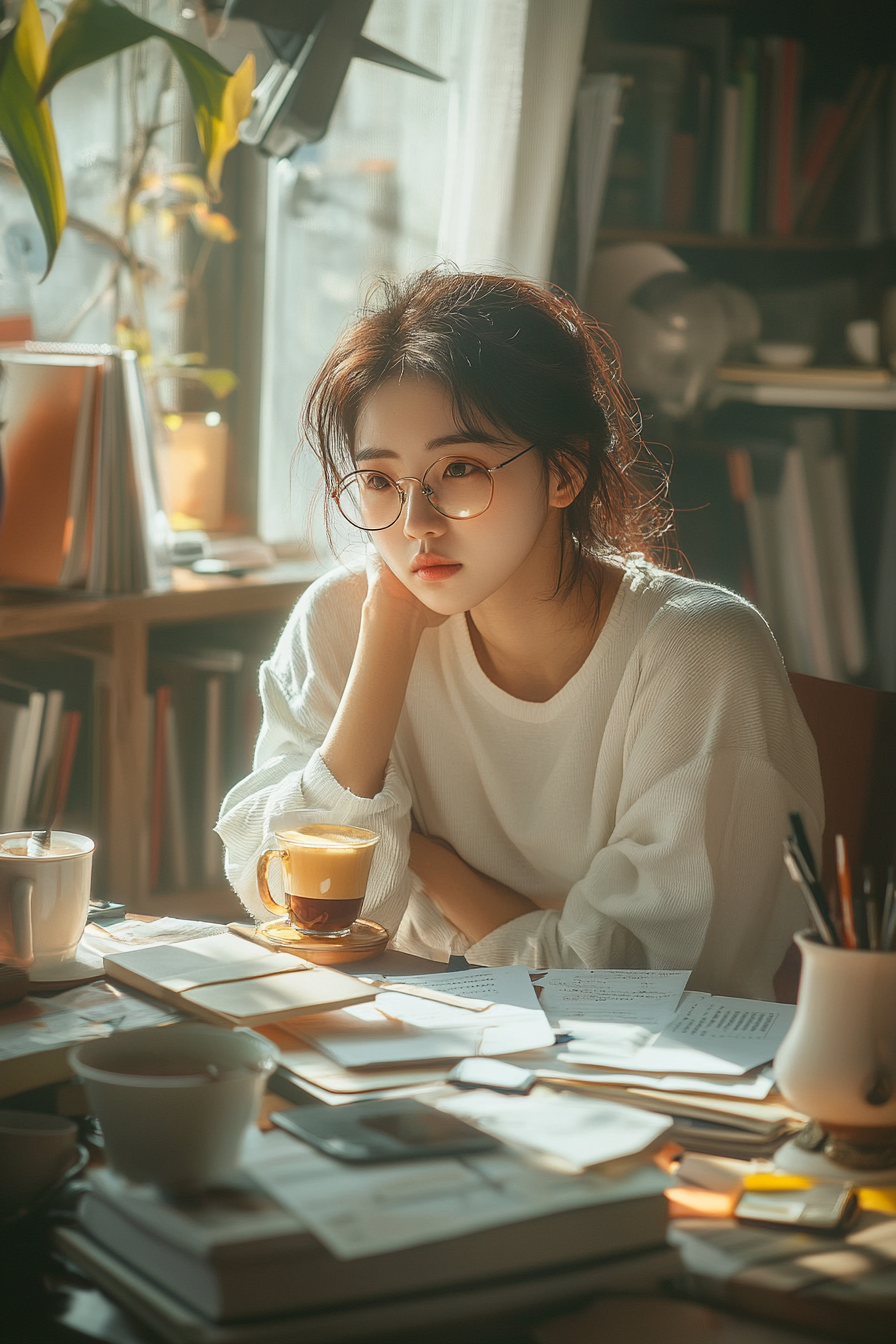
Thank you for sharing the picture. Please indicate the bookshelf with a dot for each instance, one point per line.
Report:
(122, 633)
(758, 143)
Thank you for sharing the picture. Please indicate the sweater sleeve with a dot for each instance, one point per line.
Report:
(716, 755)
(300, 688)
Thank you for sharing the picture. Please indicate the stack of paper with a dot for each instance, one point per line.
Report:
(398, 1029)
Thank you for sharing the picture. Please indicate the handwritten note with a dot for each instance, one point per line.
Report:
(638, 998)
(712, 1035)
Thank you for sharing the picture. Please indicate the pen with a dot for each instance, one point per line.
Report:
(796, 874)
(845, 885)
(872, 922)
(802, 840)
(813, 885)
(888, 918)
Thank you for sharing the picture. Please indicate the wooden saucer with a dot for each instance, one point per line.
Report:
(366, 939)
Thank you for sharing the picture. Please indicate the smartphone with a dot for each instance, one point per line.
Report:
(820, 1208)
(383, 1131)
(494, 1074)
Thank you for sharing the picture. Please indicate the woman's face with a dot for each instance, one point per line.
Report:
(455, 565)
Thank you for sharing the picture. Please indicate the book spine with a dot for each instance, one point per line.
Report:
(865, 93)
(791, 68)
(728, 213)
(749, 87)
(157, 797)
(71, 730)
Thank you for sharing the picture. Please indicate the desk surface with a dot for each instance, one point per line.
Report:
(45, 1302)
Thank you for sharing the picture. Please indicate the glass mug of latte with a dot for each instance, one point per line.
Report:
(325, 869)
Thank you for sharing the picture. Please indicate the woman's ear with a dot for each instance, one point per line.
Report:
(567, 476)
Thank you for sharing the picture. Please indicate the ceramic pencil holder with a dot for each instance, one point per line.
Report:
(837, 1063)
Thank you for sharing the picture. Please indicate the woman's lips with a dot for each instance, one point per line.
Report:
(433, 568)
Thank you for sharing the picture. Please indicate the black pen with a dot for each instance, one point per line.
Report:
(802, 840)
(813, 887)
(872, 920)
(795, 870)
(888, 918)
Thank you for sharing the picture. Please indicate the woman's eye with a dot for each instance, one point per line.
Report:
(456, 470)
(374, 482)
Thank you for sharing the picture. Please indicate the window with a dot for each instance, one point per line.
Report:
(410, 172)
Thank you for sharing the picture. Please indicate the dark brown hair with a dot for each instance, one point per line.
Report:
(514, 357)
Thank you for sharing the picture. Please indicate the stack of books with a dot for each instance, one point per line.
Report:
(42, 707)
(796, 502)
(236, 1266)
(83, 508)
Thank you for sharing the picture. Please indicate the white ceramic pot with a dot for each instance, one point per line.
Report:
(174, 1102)
(59, 884)
(837, 1062)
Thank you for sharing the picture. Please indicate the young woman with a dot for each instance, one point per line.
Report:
(573, 757)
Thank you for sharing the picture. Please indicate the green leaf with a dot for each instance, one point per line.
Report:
(26, 125)
(93, 29)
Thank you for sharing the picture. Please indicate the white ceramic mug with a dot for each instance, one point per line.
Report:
(174, 1102)
(837, 1062)
(56, 885)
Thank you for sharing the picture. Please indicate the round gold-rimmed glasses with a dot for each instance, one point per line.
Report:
(456, 487)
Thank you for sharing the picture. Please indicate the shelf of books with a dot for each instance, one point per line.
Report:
(128, 718)
(743, 121)
(757, 143)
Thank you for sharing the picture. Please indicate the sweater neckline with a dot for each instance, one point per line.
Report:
(537, 711)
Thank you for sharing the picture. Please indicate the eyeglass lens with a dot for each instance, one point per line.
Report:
(455, 487)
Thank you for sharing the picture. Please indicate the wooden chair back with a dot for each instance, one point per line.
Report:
(855, 733)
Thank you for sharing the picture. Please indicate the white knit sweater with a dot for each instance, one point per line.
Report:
(642, 807)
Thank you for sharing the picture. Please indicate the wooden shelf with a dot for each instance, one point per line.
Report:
(191, 597)
(818, 396)
(729, 241)
(117, 629)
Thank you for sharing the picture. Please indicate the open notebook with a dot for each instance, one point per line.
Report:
(226, 980)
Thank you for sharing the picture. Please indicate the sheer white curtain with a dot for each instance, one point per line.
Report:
(513, 95)
(411, 172)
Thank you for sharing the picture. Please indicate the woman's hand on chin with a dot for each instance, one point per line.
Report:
(388, 597)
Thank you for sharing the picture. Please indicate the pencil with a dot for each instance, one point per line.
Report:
(796, 874)
(844, 883)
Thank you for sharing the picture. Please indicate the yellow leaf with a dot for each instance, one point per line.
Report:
(92, 29)
(187, 184)
(220, 382)
(26, 125)
(129, 337)
(236, 104)
(135, 213)
(212, 225)
(168, 222)
(151, 184)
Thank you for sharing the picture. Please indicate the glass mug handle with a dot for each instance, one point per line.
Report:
(264, 890)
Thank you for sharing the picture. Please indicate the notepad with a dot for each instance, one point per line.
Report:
(226, 980)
